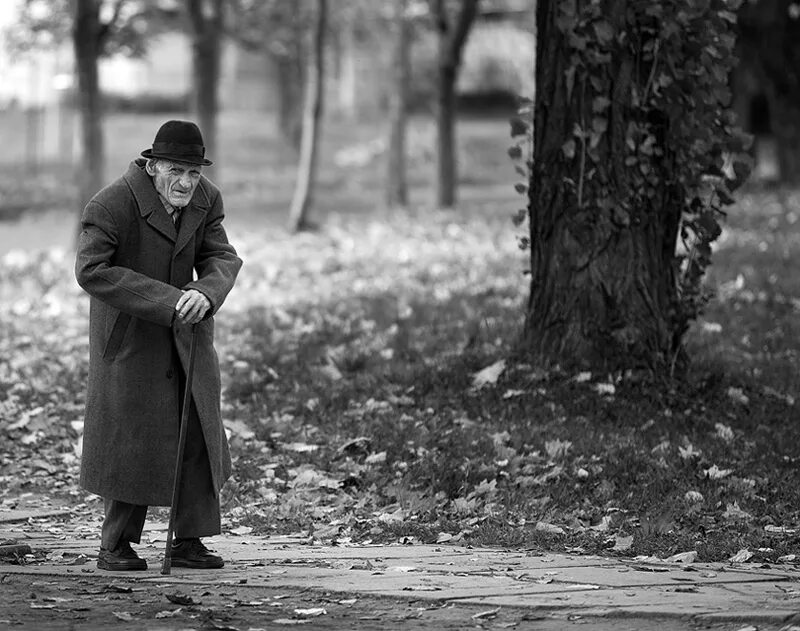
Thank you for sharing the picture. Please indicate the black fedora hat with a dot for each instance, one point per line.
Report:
(180, 141)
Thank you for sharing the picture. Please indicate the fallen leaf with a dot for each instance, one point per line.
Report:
(622, 543)
(582, 586)
(550, 528)
(689, 452)
(741, 556)
(738, 396)
(780, 530)
(169, 614)
(311, 612)
(724, 432)
(241, 530)
(557, 448)
(181, 599)
(489, 375)
(733, 512)
(715, 473)
(489, 613)
(123, 615)
(683, 557)
(693, 496)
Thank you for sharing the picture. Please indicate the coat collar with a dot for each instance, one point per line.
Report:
(150, 206)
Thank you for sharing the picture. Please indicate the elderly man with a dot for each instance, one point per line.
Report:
(154, 258)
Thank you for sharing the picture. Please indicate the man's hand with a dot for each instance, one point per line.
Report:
(192, 307)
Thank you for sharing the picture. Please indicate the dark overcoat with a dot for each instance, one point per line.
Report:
(133, 264)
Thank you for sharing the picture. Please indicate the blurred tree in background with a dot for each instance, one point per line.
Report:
(454, 21)
(767, 78)
(312, 119)
(207, 24)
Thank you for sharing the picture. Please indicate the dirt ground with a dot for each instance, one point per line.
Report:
(119, 602)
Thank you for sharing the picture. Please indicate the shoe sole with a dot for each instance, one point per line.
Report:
(196, 565)
(121, 567)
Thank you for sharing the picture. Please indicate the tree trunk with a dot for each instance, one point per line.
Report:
(206, 18)
(769, 48)
(603, 287)
(312, 116)
(290, 98)
(452, 38)
(86, 39)
(786, 120)
(346, 83)
(397, 185)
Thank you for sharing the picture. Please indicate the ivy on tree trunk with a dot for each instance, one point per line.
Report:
(626, 181)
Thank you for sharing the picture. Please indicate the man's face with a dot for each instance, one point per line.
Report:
(175, 181)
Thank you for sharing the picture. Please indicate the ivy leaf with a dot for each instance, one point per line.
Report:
(604, 32)
(515, 152)
(600, 104)
(569, 77)
(599, 124)
(568, 149)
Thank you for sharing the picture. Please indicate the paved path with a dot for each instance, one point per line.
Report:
(582, 585)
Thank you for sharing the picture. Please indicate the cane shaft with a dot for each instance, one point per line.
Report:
(187, 401)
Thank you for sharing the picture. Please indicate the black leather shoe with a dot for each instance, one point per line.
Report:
(193, 554)
(120, 559)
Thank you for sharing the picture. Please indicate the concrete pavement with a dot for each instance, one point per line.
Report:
(586, 586)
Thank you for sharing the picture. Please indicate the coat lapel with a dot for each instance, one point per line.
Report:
(192, 217)
(147, 200)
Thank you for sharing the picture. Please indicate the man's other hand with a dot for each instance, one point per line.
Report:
(192, 307)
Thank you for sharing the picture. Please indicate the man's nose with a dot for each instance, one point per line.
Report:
(185, 181)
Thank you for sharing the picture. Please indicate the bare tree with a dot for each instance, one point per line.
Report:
(207, 23)
(312, 118)
(453, 35)
(397, 185)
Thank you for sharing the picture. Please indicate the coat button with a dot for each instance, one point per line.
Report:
(169, 373)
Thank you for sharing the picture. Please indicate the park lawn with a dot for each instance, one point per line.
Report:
(361, 401)
(349, 356)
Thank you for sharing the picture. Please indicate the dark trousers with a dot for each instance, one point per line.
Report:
(197, 513)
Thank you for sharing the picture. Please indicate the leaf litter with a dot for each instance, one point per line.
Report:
(391, 449)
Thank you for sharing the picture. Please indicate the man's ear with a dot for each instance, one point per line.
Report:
(150, 167)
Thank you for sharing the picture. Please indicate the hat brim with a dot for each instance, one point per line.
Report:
(205, 162)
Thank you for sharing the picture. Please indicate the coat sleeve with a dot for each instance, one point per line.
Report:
(122, 288)
(216, 261)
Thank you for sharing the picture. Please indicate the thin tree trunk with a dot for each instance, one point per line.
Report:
(206, 18)
(290, 99)
(452, 38)
(397, 188)
(786, 117)
(346, 84)
(312, 117)
(86, 39)
(602, 279)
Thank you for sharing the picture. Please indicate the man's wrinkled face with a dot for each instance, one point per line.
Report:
(175, 181)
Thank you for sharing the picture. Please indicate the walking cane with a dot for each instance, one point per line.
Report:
(187, 400)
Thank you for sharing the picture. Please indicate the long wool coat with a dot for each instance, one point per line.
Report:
(133, 264)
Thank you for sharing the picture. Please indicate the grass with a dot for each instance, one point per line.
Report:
(348, 358)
